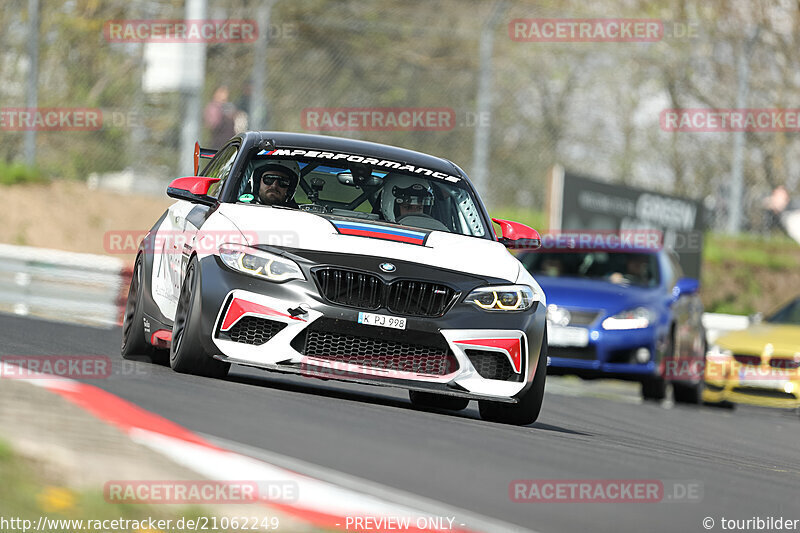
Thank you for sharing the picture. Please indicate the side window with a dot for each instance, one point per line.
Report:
(220, 167)
(668, 273)
(672, 270)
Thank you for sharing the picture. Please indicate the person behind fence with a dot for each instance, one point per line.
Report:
(219, 117)
(786, 210)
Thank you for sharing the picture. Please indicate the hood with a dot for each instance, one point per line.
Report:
(595, 294)
(290, 228)
(784, 338)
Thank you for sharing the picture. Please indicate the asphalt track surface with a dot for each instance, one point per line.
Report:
(747, 461)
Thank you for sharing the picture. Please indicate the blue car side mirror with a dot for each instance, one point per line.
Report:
(686, 286)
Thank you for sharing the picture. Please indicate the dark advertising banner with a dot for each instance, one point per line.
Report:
(581, 203)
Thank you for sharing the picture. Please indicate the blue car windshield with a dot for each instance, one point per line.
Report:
(789, 314)
(623, 268)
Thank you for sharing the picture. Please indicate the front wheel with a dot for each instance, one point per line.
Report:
(187, 354)
(527, 409)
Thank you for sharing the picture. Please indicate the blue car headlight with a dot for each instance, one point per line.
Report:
(258, 263)
(638, 318)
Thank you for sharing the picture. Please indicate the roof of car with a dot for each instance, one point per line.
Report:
(340, 144)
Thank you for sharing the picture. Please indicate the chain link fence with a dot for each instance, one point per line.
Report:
(594, 107)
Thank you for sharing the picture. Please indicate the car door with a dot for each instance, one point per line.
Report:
(177, 233)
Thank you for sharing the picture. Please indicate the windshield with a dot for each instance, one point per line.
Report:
(623, 268)
(789, 314)
(368, 192)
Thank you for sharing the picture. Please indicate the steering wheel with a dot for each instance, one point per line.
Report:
(422, 221)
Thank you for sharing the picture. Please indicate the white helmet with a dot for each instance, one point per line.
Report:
(401, 189)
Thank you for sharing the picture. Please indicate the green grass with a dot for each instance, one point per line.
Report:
(24, 493)
(775, 253)
(16, 173)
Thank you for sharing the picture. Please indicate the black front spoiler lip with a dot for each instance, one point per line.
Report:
(317, 372)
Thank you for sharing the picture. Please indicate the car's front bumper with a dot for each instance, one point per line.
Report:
(728, 380)
(229, 297)
(608, 354)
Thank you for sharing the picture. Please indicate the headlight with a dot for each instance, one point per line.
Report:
(632, 319)
(503, 298)
(259, 263)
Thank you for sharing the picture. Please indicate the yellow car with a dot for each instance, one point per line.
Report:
(759, 365)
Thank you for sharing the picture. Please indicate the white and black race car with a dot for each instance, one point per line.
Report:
(340, 259)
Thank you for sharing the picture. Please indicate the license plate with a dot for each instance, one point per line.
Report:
(567, 336)
(384, 321)
(772, 379)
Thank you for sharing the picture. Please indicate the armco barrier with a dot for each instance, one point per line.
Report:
(61, 285)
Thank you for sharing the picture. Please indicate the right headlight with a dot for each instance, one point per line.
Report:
(503, 298)
(259, 263)
(638, 318)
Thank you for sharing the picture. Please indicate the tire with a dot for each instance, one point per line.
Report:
(428, 400)
(134, 339)
(688, 393)
(654, 389)
(187, 354)
(527, 409)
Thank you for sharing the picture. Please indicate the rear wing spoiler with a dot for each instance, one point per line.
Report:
(201, 153)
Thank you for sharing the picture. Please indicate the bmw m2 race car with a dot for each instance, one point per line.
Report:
(341, 259)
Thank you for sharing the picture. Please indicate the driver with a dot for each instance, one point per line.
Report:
(276, 183)
(637, 269)
(405, 196)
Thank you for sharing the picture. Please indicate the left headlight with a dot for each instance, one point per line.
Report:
(638, 318)
(503, 298)
(259, 263)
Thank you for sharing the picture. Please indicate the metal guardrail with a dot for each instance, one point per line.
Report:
(65, 286)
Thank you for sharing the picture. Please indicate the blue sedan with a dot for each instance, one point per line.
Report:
(623, 314)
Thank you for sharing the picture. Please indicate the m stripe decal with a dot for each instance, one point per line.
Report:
(381, 232)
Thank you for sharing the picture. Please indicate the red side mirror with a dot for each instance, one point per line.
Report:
(517, 236)
(192, 189)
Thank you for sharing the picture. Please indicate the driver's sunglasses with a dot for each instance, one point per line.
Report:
(269, 179)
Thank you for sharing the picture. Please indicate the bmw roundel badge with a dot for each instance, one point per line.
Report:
(387, 267)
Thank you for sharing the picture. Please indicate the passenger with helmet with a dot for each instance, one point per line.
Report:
(409, 200)
(276, 182)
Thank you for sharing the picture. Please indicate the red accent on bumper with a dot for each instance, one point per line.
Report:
(161, 338)
(513, 347)
(239, 308)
